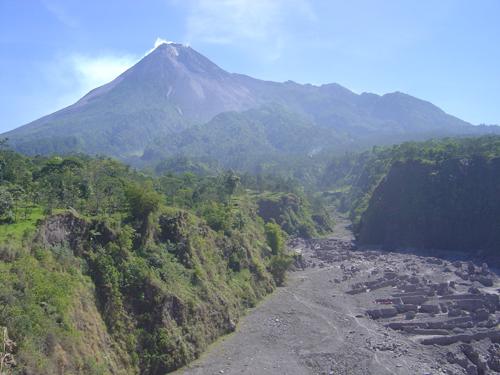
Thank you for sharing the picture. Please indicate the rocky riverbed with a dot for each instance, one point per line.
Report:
(363, 311)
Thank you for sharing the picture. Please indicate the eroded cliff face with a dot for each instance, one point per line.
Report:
(450, 205)
(153, 308)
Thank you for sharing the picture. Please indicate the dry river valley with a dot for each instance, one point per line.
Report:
(365, 311)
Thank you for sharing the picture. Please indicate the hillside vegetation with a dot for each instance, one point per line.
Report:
(442, 194)
(107, 270)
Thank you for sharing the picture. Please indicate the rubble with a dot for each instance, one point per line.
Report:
(435, 301)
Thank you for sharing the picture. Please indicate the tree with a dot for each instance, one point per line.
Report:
(6, 203)
(231, 182)
(278, 266)
(142, 200)
(275, 239)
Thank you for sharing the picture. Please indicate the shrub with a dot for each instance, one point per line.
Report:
(278, 266)
(275, 239)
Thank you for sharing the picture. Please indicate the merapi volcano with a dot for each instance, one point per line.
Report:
(174, 100)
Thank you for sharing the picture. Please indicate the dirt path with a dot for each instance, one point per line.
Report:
(312, 326)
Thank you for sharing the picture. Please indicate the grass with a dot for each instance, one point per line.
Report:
(14, 232)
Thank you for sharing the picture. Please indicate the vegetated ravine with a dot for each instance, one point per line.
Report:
(405, 298)
(109, 270)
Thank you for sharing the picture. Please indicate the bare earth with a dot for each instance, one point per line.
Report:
(366, 312)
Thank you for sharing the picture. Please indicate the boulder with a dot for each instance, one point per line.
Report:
(414, 300)
(388, 312)
(471, 370)
(410, 315)
(474, 290)
(429, 309)
(443, 289)
(494, 363)
(470, 304)
(482, 314)
(486, 281)
(407, 307)
(471, 268)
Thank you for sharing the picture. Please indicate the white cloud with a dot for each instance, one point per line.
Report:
(244, 21)
(75, 75)
(159, 41)
(91, 72)
(65, 79)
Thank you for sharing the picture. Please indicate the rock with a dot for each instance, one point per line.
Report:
(232, 325)
(414, 300)
(471, 269)
(390, 275)
(434, 261)
(493, 335)
(443, 289)
(471, 370)
(493, 301)
(470, 304)
(470, 352)
(482, 314)
(443, 307)
(461, 360)
(486, 281)
(494, 363)
(474, 290)
(388, 312)
(408, 307)
(413, 280)
(409, 288)
(429, 309)
(450, 357)
(484, 269)
(452, 312)
(410, 315)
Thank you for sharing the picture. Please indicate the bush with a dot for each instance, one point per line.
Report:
(142, 200)
(217, 215)
(275, 239)
(278, 266)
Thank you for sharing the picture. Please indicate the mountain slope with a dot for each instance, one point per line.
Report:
(175, 88)
(241, 140)
(171, 88)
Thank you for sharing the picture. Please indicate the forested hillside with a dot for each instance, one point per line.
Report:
(104, 269)
(442, 194)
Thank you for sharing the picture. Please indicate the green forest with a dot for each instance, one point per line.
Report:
(108, 269)
(105, 269)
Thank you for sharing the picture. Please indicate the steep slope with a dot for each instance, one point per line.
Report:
(450, 205)
(440, 194)
(140, 274)
(168, 90)
(175, 88)
(242, 140)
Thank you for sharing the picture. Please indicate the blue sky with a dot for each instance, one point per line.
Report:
(445, 51)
